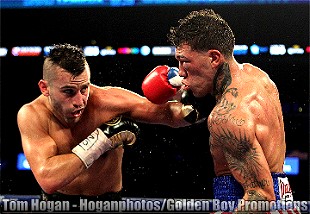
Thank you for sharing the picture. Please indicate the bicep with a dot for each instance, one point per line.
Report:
(37, 145)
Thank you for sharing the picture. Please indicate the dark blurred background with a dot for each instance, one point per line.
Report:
(165, 162)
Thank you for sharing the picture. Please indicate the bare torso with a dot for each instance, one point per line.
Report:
(105, 173)
(249, 111)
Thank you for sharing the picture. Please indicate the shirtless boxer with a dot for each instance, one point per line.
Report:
(247, 139)
(64, 131)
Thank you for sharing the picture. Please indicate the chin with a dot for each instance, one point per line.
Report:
(72, 120)
(200, 94)
(197, 94)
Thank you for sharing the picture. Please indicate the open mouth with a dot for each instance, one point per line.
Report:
(77, 113)
(185, 87)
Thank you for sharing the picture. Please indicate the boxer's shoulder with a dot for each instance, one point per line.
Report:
(257, 76)
(36, 108)
(110, 101)
(109, 91)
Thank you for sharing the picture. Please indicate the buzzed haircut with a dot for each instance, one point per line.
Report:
(203, 30)
(68, 57)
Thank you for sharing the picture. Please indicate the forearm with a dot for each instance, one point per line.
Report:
(255, 178)
(58, 171)
(177, 116)
(169, 114)
(257, 187)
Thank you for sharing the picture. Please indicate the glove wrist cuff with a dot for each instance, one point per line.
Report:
(92, 147)
(189, 113)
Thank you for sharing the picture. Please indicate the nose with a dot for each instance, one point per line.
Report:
(182, 72)
(79, 100)
(78, 105)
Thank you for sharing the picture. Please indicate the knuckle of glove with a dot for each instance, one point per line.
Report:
(161, 84)
(123, 138)
(188, 97)
(121, 132)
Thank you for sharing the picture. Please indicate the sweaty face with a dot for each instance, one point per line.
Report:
(69, 95)
(196, 69)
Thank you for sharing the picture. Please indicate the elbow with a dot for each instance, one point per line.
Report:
(48, 189)
(48, 184)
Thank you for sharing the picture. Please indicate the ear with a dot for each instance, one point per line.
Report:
(44, 87)
(216, 58)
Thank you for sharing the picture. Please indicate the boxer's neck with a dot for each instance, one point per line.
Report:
(221, 81)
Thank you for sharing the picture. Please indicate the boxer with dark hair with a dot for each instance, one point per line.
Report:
(73, 133)
(247, 138)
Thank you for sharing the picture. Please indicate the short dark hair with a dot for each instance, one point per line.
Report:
(203, 30)
(69, 57)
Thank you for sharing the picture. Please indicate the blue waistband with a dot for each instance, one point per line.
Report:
(227, 188)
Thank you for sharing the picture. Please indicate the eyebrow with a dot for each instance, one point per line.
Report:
(74, 86)
(67, 87)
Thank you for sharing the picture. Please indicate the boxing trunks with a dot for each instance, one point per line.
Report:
(109, 196)
(227, 188)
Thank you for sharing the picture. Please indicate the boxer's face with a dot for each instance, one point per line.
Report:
(69, 94)
(196, 69)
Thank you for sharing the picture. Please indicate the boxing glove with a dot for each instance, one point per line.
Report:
(194, 109)
(109, 136)
(121, 132)
(161, 84)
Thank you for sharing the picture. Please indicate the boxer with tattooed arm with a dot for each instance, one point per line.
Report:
(247, 137)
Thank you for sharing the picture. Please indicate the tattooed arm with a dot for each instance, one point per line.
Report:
(247, 163)
(232, 128)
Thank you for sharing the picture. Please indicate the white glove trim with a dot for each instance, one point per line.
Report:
(91, 148)
(176, 81)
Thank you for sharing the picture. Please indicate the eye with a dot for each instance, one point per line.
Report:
(84, 90)
(185, 61)
(69, 92)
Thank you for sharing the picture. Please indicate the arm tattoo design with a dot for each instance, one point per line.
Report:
(240, 153)
(252, 196)
(221, 113)
(241, 156)
(255, 196)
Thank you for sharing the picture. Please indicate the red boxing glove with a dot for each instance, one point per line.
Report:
(161, 84)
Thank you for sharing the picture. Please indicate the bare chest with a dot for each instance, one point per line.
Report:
(67, 138)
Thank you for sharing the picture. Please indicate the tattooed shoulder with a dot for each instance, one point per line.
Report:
(225, 110)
